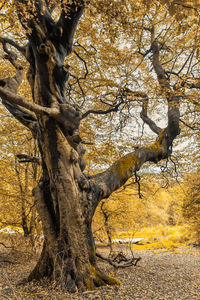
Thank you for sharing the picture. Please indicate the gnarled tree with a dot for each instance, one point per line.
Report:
(66, 198)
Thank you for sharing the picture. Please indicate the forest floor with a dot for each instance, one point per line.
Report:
(158, 275)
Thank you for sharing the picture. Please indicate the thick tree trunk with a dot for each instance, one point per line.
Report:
(68, 255)
(70, 267)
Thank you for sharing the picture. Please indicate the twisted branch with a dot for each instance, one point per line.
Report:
(12, 98)
(146, 119)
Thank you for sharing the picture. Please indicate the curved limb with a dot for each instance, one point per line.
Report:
(21, 49)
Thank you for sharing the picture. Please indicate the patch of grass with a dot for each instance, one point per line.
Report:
(161, 244)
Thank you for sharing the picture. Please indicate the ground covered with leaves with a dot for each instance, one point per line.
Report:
(159, 274)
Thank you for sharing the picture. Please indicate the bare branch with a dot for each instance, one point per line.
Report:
(193, 85)
(21, 49)
(189, 126)
(160, 72)
(103, 112)
(114, 108)
(172, 98)
(8, 261)
(12, 57)
(85, 65)
(143, 114)
(2, 5)
(195, 5)
(24, 158)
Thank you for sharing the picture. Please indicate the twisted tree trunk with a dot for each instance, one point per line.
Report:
(66, 198)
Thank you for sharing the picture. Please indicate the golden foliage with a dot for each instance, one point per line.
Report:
(191, 206)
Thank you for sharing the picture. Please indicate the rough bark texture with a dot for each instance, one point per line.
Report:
(66, 198)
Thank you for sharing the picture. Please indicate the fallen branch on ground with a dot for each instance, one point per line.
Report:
(116, 262)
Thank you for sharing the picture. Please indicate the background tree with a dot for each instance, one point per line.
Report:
(191, 207)
(17, 178)
(132, 76)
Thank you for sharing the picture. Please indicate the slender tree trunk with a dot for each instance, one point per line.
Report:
(106, 225)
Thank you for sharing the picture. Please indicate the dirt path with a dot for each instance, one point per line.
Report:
(159, 275)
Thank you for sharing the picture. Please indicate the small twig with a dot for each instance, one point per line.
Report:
(103, 112)
(137, 180)
(85, 64)
(7, 247)
(87, 143)
(189, 126)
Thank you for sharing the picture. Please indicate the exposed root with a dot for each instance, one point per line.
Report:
(98, 278)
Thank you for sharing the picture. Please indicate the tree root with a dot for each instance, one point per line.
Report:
(98, 278)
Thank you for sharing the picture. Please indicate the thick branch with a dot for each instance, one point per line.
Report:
(12, 98)
(114, 177)
(35, 17)
(160, 72)
(12, 57)
(172, 98)
(71, 13)
(24, 117)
